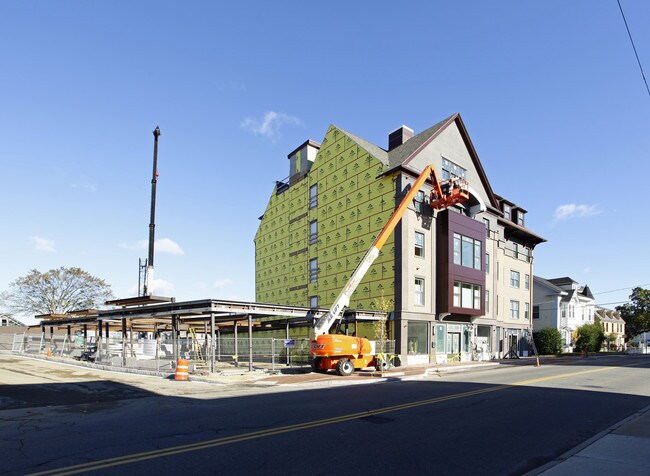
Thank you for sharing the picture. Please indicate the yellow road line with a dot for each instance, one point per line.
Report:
(137, 457)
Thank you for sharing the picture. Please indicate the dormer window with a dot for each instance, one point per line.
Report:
(520, 218)
(507, 211)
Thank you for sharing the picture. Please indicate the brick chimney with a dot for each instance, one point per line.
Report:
(399, 136)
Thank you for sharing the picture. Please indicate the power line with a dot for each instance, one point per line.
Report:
(633, 46)
(623, 289)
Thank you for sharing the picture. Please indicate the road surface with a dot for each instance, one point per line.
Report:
(57, 419)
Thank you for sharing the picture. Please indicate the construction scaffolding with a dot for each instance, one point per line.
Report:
(153, 332)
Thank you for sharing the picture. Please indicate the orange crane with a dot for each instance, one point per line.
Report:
(346, 353)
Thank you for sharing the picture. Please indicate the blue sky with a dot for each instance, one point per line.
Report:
(550, 92)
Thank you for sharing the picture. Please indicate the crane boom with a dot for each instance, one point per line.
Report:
(440, 199)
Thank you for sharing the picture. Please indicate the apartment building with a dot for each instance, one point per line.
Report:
(457, 282)
(613, 327)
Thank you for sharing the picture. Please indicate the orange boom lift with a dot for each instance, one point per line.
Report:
(347, 353)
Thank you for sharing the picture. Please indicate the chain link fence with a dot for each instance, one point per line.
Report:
(158, 354)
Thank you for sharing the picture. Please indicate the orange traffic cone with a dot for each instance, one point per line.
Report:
(182, 370)
(49, 352)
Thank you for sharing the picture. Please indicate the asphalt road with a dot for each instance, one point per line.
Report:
(504, 421)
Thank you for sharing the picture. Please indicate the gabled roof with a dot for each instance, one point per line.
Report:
(550, 285)
(569, 295)
(403, 153)
(400, 156)
(565, 281)
(586, 292)
(374, 150)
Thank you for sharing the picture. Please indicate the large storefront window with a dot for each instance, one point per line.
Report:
(417, 338)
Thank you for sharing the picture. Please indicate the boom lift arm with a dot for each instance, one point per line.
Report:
(443, 195)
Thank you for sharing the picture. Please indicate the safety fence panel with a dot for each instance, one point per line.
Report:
(263, 350)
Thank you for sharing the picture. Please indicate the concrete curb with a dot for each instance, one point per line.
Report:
(577, 449)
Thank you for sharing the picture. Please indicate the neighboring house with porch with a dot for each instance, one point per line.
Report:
(613, 326)
(562, 304)
(458, 281)
(9, 320)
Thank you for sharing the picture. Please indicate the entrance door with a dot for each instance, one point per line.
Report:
(453, 344)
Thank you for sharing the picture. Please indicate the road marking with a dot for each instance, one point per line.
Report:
(137, 457)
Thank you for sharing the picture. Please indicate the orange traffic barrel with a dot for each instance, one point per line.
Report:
(181, 370)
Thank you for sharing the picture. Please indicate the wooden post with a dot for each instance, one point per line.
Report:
(236, 349)
(250, 343)
(218, 345)
(98, 340)
(212, 342)
(107, 344)
(174, 338)
(124, 341)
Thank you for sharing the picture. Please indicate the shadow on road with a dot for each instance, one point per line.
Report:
(408, 427)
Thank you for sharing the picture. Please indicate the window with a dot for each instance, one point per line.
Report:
(514, 309)
(520, 218)
(527, 281)
(417, 338)
(507, 211)
(487, 226)
(514, 279)
(563, 309)
(313, 302)
(419, 200)
(515, 250)
(451, 170)
(467, 295)
(487, 263)
(419, 291)
(467, 251)
(526, 310)
(313, 232)
(535, 312)
(313, 270)
(419, 244)
(487, 301)
(313, 196)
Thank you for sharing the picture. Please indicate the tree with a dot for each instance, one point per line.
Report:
(379, 326)
(611, 340)
(636, 313)
(548, 341)
(57, 291)
(590, 337)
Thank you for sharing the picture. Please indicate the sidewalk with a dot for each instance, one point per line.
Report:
(623, 449)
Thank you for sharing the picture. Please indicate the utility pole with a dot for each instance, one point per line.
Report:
(152, 222)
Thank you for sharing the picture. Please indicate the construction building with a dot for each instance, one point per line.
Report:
(457, 282)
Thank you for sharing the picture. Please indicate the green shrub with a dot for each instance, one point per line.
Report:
(548, 341)
(590, 337)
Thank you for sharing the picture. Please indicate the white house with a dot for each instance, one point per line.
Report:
(563, 304)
